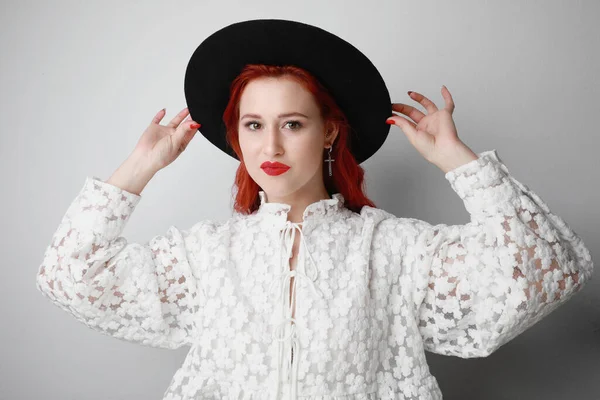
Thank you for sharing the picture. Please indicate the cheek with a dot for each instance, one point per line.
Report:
(246, 147)
(311, 147)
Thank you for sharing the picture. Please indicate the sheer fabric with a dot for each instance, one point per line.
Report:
(373, 291)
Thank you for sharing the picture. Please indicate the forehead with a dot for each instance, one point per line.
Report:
(276, 94)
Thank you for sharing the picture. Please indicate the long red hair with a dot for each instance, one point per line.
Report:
(348, 175)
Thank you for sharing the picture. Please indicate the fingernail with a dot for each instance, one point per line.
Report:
(195, 126)
(389, 121)
(409, 92)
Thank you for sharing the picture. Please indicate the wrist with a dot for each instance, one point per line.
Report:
(133, 175)
(459, 156)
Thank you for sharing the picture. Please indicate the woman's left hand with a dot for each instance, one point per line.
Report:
(434, 135)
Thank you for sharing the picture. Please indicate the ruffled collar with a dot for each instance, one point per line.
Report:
(323, 207)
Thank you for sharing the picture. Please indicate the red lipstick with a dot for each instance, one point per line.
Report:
(275, 168)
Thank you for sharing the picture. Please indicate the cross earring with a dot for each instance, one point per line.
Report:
(329, 160)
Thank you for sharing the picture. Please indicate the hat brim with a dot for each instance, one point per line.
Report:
(351, 78)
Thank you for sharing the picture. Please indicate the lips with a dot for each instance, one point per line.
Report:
(274, 168)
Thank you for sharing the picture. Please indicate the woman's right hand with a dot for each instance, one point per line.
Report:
(160, 145)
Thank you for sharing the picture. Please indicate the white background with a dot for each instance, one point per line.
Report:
(80, 81)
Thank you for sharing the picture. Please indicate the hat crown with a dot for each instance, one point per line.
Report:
(348, 75)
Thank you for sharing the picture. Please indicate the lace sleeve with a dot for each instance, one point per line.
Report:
(479, 285)
(140, 293)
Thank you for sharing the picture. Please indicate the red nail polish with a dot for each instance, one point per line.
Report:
(389, 121)
(195, 126)
(409, 92)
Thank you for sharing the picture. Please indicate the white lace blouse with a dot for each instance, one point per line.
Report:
(372, 291)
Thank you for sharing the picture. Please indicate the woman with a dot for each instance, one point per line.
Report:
(309, 289)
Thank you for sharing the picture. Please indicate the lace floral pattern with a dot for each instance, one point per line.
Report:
(372, 291)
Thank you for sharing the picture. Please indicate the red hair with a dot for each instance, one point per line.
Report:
(348, 175)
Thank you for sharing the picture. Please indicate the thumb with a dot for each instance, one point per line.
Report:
(420, 140)
(184, 134)
(406, 126)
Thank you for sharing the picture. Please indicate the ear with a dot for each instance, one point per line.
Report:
(331, 133)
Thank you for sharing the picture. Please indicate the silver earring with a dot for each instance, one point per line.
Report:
(330, 160)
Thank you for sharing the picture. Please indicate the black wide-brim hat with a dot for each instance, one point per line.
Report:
(350, 77)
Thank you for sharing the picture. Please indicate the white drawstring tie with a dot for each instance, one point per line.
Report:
(289, 368)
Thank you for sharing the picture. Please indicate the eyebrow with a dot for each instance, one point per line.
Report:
(279, 116)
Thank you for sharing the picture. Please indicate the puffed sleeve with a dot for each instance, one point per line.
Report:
(143, 293)
(479, 285)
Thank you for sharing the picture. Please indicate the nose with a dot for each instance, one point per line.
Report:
(272, 142)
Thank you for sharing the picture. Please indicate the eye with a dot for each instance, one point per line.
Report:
(250, 123)
(298, 124)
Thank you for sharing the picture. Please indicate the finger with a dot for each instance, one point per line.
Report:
(409, 128)
(159, 116)
(448, 98)
(184, 135)
(420, 140)
(178, 118)
(410, 111)
(184, 141)
(183, 145)
(428, 104)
